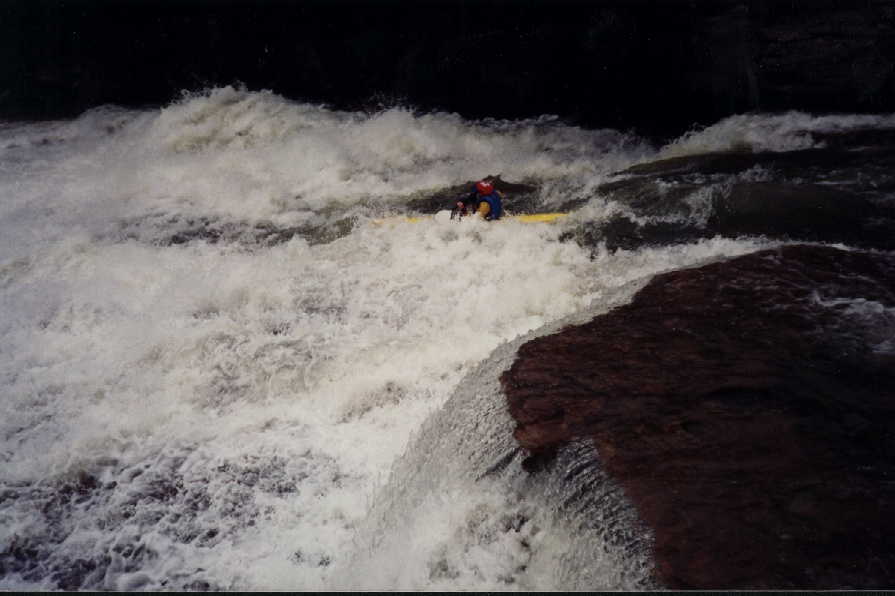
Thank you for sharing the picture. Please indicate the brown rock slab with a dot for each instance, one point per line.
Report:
(746, 407)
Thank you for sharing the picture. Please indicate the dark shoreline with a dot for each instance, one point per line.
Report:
(657, 69)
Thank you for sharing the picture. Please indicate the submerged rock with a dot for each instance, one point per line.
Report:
(841, 192)
(746, 407)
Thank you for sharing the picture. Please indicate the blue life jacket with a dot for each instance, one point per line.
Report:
(494, 202)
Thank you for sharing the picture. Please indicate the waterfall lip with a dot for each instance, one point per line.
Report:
(466, 450)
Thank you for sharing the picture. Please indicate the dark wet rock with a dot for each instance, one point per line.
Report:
(746, 407)
(623, 233)
(857, 139)
(860, 161)
(790, 164)
(803, 212)
(842, 193)
(518, 197)
(873, 147)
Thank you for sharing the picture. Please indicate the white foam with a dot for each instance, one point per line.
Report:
(265, 157)
(233, 409)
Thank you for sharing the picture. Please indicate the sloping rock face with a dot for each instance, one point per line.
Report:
(747, 409)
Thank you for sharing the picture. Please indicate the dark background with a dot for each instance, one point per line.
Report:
(654, 67)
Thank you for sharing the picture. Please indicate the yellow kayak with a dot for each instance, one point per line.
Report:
(524, 218)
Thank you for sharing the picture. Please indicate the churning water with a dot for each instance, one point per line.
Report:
(216, 371)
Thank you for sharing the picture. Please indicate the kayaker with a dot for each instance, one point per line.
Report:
(484, 201)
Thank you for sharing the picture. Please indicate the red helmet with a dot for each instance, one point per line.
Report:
(484, 187)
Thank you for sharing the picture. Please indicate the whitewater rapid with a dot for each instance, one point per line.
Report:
(227, 413)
